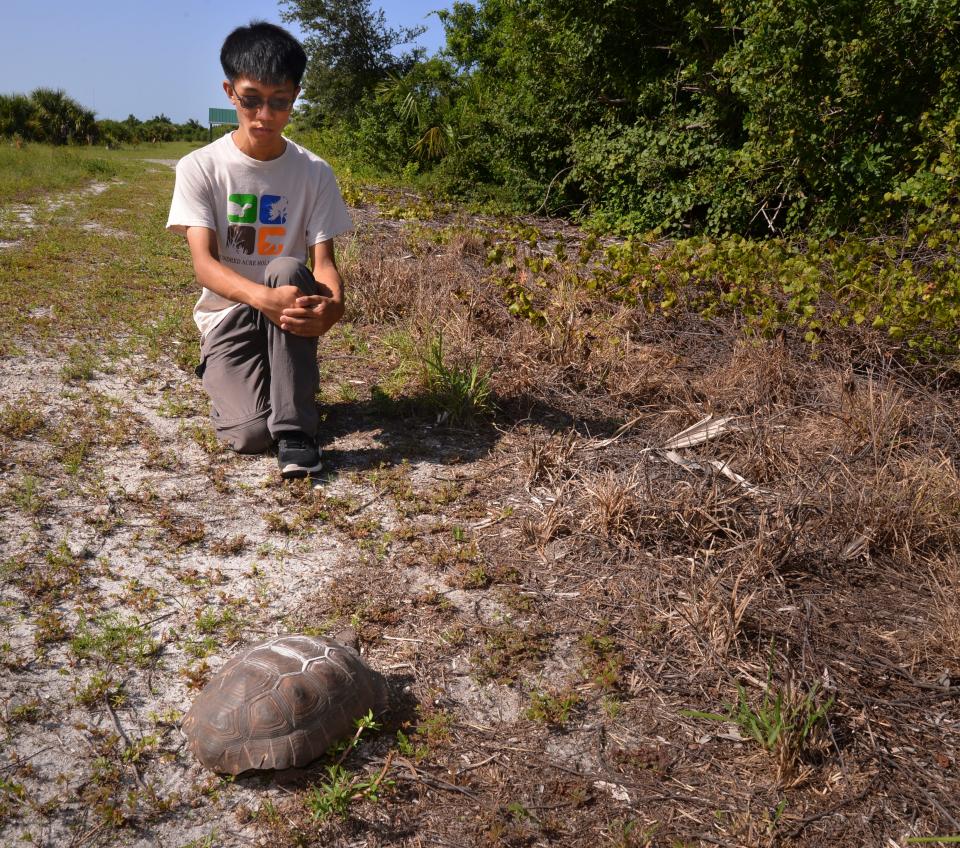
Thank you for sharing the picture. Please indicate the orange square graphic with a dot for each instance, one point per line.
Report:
(267, 247)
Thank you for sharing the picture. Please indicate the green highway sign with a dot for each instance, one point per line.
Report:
(223, 116)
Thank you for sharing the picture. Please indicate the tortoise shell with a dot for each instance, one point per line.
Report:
(281, 703)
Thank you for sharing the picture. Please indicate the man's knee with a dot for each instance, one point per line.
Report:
(248, 437)
(287, 271)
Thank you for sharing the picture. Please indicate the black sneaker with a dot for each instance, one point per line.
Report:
(298, 455)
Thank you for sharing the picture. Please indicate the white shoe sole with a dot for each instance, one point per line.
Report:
(293, 470)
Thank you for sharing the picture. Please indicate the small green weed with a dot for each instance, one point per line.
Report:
(334, 795)
(409, 748)
(140, 748)
(12, 788)
(178, 406)
(81, 364)
(627, 833)
(200, 648)
(355, 343)
(346, 393)
(205, 438)
(112, 640)
(50, 580)
(552, 708)
(100, 685)
(21, 418)
(210, 620)
(74, 453)
(456, 393)
(27, 713)
(782, 723)
(211, 840)
(27, 497)
(433, 729)
(603, 662)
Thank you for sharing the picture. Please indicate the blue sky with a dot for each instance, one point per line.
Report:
(145, 58)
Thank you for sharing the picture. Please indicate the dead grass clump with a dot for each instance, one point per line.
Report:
(811, 441)
(712, 607)
(614, 507)
(388, 285)
(939, 638)
(911, 507)
(701, 513)
(759, 376)
(467, 243)
(383, 289)
(637, 374)
(877, 416)
(548, 461)
(518, 372)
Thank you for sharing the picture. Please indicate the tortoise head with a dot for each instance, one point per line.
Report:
(348, 636)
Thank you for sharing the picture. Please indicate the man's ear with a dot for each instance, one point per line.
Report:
(228, 89)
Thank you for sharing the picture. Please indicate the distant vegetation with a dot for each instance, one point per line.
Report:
(50, 116)
(760, 118)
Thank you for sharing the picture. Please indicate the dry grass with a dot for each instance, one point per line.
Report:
(838, 547)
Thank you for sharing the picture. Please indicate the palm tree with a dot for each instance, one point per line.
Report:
(59, 119)
(15, 111)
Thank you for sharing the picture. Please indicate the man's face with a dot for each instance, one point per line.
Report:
(263, 110)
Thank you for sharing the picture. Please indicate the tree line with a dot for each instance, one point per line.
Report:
(757, 116)
(49, 116)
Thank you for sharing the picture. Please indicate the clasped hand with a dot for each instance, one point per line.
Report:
(302, 315)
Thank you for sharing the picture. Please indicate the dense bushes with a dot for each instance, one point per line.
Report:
(760, 117)
(893, 293)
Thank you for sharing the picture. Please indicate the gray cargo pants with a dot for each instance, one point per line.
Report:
(261, 380)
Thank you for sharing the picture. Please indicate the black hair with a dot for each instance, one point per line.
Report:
(263, 52)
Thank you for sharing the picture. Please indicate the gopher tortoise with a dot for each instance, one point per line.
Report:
(281, 703)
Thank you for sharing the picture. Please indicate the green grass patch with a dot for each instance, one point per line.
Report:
(113, 640)
(457, 392)
(37, 168)
(135, 290)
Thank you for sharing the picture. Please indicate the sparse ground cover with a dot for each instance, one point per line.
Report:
(599, 629)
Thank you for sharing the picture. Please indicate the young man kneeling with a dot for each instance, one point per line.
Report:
(252, 205)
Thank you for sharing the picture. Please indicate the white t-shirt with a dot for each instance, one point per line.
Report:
(260, 210)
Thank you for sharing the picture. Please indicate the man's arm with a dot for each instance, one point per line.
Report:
(313, 315)
(217, 277)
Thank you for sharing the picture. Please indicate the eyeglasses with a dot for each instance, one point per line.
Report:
(255, 102)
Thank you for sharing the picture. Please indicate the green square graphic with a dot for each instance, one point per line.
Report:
(247, 206)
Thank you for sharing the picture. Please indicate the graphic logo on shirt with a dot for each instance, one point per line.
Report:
(265, 237)
(273, 209)
(242, 208)
(270, 242)
(241, 239)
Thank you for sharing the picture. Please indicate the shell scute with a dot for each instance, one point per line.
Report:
(267, 717)
(303, 697)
